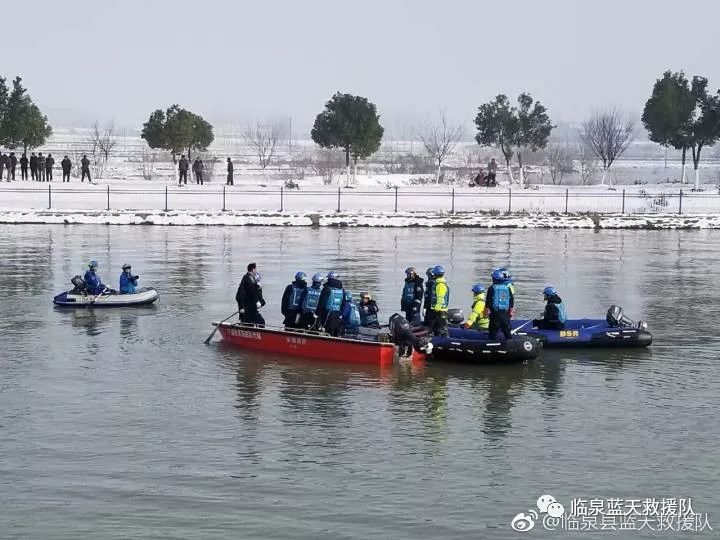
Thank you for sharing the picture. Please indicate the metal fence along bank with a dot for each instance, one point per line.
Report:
(402, 199)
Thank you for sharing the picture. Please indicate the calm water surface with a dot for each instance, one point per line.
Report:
(122, 424)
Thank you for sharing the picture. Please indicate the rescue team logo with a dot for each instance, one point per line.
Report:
(613, 514)
(546, 505)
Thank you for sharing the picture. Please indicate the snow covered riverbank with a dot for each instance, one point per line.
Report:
(364, 219)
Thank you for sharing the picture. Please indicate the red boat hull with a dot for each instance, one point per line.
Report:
(307, 345)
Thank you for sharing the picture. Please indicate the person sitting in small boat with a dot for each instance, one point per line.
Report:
(554, 317)
(499, 304)
(412, 295)
(477, 319)
(310, 302)
(292, 300)
(331, 297)
(350, 315)
(368, 311)
(93, 283)
(128, 282)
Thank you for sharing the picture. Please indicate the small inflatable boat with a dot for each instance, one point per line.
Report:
(79, 297)
(474, 347)
(615, 331)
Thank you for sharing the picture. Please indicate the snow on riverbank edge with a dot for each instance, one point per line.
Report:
(365, 219)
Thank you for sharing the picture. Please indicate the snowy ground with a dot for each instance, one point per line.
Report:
(369, 195)
(139, 185)
(365, 219)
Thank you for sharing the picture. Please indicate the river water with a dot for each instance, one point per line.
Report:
(123, 424)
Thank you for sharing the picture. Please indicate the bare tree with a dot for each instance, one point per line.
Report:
(101, 141)
(586, 163)
(440, 139)
(262, 139)
(559, 162)
(608, 135)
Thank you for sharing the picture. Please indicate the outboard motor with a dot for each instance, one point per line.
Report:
(78, 282)
(616, 318)
(403, 336)
(455, 316)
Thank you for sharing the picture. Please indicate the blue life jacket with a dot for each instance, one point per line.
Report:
(351, 315)
(334, 300)
(127, 284)
(368, 318)
(294, 298)
(311, 300)
(562, 314)
(93, 283)
(408, 295)
(501, 297)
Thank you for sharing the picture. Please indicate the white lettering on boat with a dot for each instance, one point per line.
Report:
(246, 334)
(296, 340)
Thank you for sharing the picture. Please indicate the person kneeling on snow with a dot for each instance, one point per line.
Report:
(93, 283)
(554, 317)
(128, 282)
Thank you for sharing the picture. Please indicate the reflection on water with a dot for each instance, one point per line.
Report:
(126, 418)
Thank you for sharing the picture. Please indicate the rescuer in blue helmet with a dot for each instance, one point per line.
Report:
(412, 295)
(554, 316)
(477, 319)
(292, 300)
(439, 302)
(499, 304)
(93, 283)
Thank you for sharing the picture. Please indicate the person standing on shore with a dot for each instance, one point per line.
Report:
(66, 165)
(11, 168)
(230, 169)
(198, 170)
(49, 163)
(24, 167)
(85, 169)
(41, 167)
(492, 171)
(33, 167)
(183, 170)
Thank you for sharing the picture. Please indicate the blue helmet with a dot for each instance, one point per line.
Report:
(317, 278)
(500, 274)
(550, 291)
(93, 264)
(478, 288)
(410, 271)
(300, 276)
(332, 274)
(438, 271)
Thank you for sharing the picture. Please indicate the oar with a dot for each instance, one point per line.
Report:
(521, 326)
(96, 297)
(218, 326)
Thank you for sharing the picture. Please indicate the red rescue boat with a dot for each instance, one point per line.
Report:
(309, 344)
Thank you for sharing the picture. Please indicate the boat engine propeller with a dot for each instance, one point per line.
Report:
(616, 318)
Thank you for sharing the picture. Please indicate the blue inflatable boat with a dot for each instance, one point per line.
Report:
(615, 331)
(470, 346)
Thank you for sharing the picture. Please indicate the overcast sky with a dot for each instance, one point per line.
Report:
(234, 60)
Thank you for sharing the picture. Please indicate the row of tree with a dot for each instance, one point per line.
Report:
(22, 124)
(678, 114)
